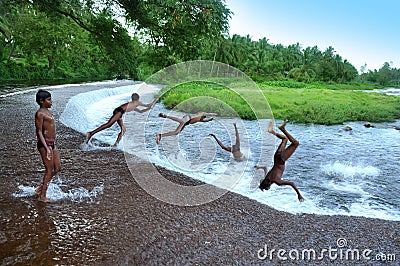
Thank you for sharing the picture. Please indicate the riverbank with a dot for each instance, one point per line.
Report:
(126, 226)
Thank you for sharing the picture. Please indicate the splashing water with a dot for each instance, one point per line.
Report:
(55, 192)
(348, 170)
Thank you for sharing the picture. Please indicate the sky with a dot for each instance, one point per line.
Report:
(361, 31)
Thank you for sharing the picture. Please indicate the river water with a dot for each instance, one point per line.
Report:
(338, 172)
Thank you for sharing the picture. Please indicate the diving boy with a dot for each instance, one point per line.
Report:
(117, 116)
(274, 176)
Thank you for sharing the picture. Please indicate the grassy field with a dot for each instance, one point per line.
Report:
(303, 103)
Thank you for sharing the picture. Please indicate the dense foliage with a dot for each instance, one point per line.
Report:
(48, 39)
(59, 39)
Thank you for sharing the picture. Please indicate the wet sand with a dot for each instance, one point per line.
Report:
(127, 226)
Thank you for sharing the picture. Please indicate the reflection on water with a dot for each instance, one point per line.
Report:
(40, 234)
(75, 234)
(29, 234)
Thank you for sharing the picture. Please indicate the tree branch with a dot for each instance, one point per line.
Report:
(70, 15)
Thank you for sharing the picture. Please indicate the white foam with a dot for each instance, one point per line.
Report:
(387, 91)
(17, 93)
(347, 169)
(95, 107)
(55, 192)
(51, 87)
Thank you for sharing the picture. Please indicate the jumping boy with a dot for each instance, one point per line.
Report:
(235, 149)
(117, 117)
(46, 136)
(281, 155)
(183, 122)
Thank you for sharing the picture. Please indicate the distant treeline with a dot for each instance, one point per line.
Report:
(52, 39)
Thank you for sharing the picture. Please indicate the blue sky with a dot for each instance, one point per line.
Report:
(361, 31)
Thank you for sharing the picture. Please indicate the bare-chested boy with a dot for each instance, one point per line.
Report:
(46, 137)
(183, 122)
(281, 155)
(117, 117)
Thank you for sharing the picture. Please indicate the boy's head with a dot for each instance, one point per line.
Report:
(135, 96)
(42, 95)
(265, 184)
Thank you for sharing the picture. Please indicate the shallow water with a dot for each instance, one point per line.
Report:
(33, 233)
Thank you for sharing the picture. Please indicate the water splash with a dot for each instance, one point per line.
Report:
(347, 169)
(55, 192)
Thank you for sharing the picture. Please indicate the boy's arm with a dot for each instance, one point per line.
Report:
(148, 104)
(288, 183)
(142, 110)
(262, 167)
(227, 148)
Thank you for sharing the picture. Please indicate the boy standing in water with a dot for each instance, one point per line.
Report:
(281, 155)
(46, 136)
(117, 117)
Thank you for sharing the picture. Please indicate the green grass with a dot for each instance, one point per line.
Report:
(193, 97)
(323, 106)
(299, 102)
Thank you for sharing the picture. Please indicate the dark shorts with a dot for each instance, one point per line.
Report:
(118, 110)
(49, 143)
(235, 148)
(278, 158)
(265, 184)
(188, 122)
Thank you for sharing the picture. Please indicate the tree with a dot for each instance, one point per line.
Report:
(178, 30)
(384, 74)
(40, 36)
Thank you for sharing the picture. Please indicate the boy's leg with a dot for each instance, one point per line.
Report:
(294, 142)
(176, 119)
(171, 133)
(121, 133)
(273, 132)
(109, 123)
(38, 190)
(48, 164)
(237, 141)
(284, 131)
(284, 139)
(56, 162)
(175, 132)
